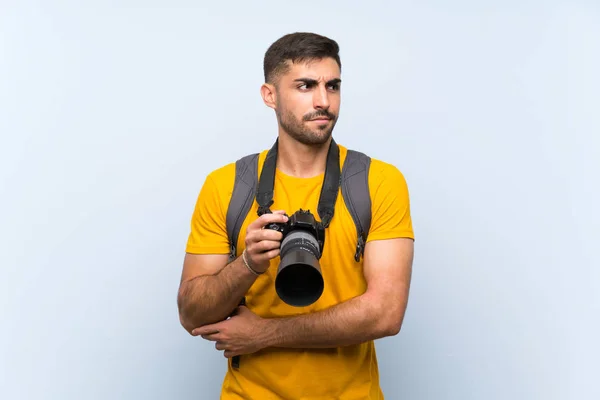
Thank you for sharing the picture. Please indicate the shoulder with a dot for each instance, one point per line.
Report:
(223, 173)
(222, 178)
(388, 186)
(218, 182)
(380, 171)
(390, 202)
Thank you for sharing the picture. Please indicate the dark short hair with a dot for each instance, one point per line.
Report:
(297, 47)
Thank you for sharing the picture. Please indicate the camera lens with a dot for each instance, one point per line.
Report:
(299, 281)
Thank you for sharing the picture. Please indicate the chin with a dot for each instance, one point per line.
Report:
(312, 135)
(319, 138)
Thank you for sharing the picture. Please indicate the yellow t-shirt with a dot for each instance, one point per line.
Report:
(348, 372)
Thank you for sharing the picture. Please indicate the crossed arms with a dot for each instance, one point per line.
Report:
(211, 289)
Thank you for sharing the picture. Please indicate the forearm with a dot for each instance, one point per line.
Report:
(354, 321)
(210, 298)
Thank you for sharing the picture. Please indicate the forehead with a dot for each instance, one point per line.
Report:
(319, 69)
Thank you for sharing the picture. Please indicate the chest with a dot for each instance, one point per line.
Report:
(342, 275)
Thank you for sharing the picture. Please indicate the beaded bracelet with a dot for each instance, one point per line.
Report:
(248, 265)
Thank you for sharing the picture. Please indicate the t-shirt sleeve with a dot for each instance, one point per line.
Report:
(390, 205)
(208, 233)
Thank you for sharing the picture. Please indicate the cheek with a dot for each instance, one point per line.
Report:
(297, 105)
(334, 102)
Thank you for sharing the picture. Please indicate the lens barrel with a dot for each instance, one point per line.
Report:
(299, 281)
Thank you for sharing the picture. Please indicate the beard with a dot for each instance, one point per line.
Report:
(301, 132)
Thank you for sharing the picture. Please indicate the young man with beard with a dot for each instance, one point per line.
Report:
(324, 350)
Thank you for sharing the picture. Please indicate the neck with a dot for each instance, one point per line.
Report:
(301, 160)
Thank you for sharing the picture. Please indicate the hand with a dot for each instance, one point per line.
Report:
(263, 244)
(240, 334)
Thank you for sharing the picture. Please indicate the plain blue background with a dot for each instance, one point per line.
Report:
(112, 114)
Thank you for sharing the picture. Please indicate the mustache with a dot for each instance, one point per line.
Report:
(317, 114)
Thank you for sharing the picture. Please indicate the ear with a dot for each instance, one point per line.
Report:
(269, 95)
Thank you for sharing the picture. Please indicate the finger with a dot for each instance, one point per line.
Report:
(270, 254)
(229, 353)
(267, 219)
(220, 346)
(265, 234)
(261, 258)
(212, 336)
(264, 246)
(256, 237)
(206, 330)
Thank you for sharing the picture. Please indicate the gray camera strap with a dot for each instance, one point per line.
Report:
(242, 197)
(353, 178)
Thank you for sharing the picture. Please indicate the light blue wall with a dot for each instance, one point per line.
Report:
(111, 117)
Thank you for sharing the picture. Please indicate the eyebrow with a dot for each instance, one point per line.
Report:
(310, 81)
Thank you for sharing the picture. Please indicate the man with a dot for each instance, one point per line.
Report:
(324, 350)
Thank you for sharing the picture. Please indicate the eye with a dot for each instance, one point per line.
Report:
(334, 86)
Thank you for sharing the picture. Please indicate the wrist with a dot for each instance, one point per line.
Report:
(251, 266)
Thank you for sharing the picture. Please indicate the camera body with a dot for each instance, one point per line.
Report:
(299, 281)
(301, 220)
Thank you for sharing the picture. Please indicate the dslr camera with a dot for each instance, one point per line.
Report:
(299, 281)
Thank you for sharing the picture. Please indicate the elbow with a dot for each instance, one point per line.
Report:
(388, 321)
(185, 323)
(190, 323)
(393, 327)
(184, 320)
(188, 315)
(386, 326)
(193, 315)
(384, 313)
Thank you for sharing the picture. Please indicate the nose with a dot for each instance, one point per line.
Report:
(321, 98)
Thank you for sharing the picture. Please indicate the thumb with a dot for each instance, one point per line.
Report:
(238, 310)
(243, 310)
